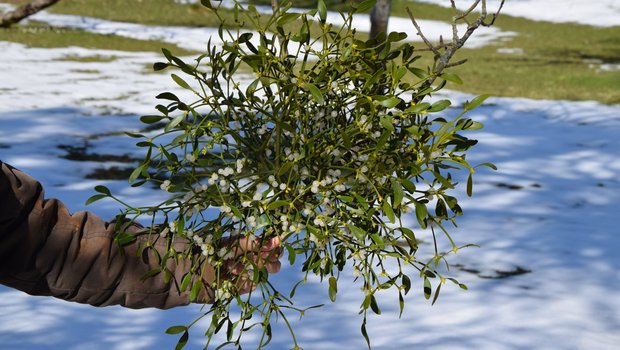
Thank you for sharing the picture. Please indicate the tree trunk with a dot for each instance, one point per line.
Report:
(22, 12)
(275, 5)
(379, 17)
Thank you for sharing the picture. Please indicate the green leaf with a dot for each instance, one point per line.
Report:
(365, 333)
(95, 198)
(151, 119)
(236, 211)
(452, 77)
(378, 240)
(357, 232)
(151, 273)
(397, 189)
(285, 168)
(124, 238)
(177, 79)
(157, 66)
(365, 6)
(490, 165)
(395, 37)
(470, 185)
(135, 135)
(386, 122)
(385, 135)
(291, 254)
(361, 201)
(322, 10)
(103, 189)
(408, 233)
(166, 53)
(440, 106)
(401, 304)
(420, 73)
(187, 279)
(421, 212)
(244, 38)
(388, 211)
(269, 334)
(346, 199)
(176, 329)
(287, 18)
(474, 125)
(409, 186)
(366, 302)
(174, 122)
(406, 284)
(292, 293)
(374, 306)
(400, 73)
(436, 294)
(475, 102)
(193, 294)
(419, 108)
(333, 288)
(182, 341)
(167, 96)
(428, 290)
(440, 208)
(316, 93)
(390, 102)
(137, 171)
(277, 204)
(214, 321)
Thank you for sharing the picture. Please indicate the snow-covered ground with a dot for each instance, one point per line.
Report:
(550, 209)
(600, 13)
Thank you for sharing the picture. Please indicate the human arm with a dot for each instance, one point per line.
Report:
(45, 250)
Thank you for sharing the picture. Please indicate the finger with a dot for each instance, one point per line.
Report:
(251, 245)
(245, 285)
(273, 266)
(246, 245)
(271, 244)
(239, 274)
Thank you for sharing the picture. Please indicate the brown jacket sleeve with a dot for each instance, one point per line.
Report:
(44, 250)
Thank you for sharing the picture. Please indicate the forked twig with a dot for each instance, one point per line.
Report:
(449, 49)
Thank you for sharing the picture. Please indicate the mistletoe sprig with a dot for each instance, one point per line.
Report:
(314, 135)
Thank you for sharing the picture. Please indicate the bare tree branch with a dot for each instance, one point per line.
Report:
(421, 34)
(443, 58)
(24, 11)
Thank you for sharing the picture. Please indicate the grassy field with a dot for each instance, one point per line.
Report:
(41, 35)
(551, 60)
(36, 34)
(545, 60)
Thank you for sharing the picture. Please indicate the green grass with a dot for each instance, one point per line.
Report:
(151, 12)
(94, 58)
(555, 64)
(43, 36)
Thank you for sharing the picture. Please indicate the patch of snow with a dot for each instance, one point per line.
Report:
(609, 67)
(600, 13)
(511, 50)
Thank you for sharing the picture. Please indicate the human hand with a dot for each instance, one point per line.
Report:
(264, 253)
